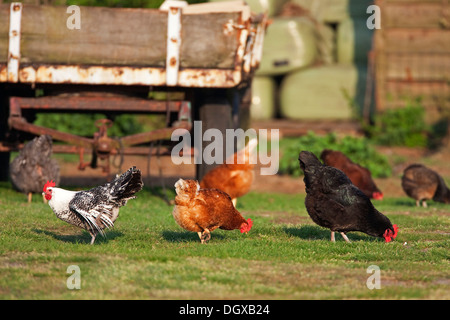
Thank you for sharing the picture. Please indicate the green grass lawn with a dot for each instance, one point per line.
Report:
(285, 256)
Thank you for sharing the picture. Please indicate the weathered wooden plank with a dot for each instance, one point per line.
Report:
(433, 95)
(417, 15)
(206, 46)
(121, 37)
(417, 40)
(4, 32)
(419, 67)
(417, 88)
(413, 54)
(412, 1)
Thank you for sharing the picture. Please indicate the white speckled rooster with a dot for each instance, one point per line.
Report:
(97, 208)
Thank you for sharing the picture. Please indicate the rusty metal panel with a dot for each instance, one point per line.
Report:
(66, 74)
(93, 103)
(98, 75)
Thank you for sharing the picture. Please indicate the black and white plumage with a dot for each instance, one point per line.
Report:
(34, 166)
(97, 208)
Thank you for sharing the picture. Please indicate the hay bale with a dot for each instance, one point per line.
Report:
(326, 44)
(289, 44)
(271, 7)
(335, 11)
(324, 92)
(263, 98)
(325, 34)
(354, 41)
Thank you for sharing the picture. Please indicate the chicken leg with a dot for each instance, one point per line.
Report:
(93, 235)
(343, 236)
(204, 236)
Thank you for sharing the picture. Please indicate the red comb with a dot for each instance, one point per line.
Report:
(49, 184)
(246, 228)
(395, 231)
(250, 223)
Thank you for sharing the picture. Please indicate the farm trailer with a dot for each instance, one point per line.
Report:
(112, 59)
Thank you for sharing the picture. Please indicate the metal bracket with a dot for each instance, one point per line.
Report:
(15, 18)
(173, 44)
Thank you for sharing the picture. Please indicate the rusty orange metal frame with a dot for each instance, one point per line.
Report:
(101, 146)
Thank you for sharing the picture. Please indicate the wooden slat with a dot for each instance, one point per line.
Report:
(433, 96)
(413, 54)
(418, 40)
(113, 36)
(415, 89)
(4, 32)
(420, 67)
(419, 15)
(412, 2)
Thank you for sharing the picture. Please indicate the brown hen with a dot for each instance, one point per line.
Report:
(233, 177)
(422, 183)
(204, 210)
(359, 176)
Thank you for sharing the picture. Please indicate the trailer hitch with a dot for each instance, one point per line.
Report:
(101, 147)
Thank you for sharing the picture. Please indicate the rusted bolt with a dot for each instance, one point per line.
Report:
(14, 33)
(16, 7)
(24, 75)
(173, 10)
(11, 56)
(173, 62)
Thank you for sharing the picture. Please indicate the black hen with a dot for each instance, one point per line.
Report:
(333, 202)
(34, 166)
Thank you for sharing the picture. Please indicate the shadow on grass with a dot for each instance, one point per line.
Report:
(84, 238)
(186, 236)
(317, 233)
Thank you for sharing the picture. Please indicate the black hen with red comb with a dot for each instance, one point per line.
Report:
(334, 202)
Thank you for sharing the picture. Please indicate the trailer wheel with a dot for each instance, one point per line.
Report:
(215, 111)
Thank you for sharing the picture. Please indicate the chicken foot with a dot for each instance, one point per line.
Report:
(204, 236)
